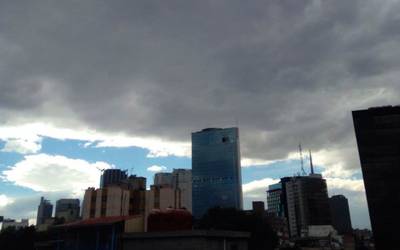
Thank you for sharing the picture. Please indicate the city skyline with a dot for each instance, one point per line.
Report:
(87, 86)
(273, 174)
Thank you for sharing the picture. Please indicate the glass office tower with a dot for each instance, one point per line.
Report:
(378, 139)
(216, 170)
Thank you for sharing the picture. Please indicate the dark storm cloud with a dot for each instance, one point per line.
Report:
(287, 71)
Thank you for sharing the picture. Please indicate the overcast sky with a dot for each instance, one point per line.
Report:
(145, 74)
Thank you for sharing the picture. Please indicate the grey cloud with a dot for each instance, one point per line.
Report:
(287, 71)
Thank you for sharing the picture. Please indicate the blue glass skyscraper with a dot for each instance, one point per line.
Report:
(216, 170)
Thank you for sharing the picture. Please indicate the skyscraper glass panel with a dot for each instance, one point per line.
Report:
(216, 170)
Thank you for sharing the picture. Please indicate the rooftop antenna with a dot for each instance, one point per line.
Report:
(311, 164)
(301, 160)
(101, 169)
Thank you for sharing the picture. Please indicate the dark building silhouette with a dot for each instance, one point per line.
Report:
(134, 182)
(340, 213)
(112, 176)
(258, 207)
(45, 211)
(216, 170)
(68, 209)
(306, 203)
(378, 139)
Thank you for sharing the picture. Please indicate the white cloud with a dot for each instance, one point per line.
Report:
(354, 185)
(250, 162)
(55, 173)
(257, 189)
(22, 145)
(334, 161)
(26, 138)
(4, 200)
(156, 168)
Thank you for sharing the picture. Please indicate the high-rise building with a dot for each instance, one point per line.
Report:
(378, 138)
(340, 213)
(134, 182)
(161, 179)
(68, 209)
(274, 200)
(180, 180)
(119, 196)
(306, 203)
(216, 170)
(112, 177)
(163, 197)
(45, 211)
(112, 201)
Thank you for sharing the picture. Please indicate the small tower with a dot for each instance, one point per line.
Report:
(301, 160)
(311, 164)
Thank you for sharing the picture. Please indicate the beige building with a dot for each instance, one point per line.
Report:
(181, 181)
(163, 197)
(112, 201)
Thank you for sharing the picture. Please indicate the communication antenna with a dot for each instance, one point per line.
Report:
(101, 169)
(301, 160)
(311, 164)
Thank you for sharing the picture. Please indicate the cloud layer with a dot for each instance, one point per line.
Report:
(147, 74)
(55, 173)
(285, 71)
(156, 168)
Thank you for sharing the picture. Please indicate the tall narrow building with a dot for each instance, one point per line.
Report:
(182, 180)
(378, 139)
(45, 211)
(306, 203)
(340, 213)
(216, 170)
(275, 204)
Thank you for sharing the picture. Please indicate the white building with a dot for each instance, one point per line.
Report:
(12, 223)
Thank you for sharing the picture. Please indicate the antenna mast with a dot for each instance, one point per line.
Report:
(301, 160)
(311, 164)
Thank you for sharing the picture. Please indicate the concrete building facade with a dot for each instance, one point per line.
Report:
(179, 179)
(112, 177)
(306, 203)
(162, 179)
(112, 201)
(45, 211)
(68, 209)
